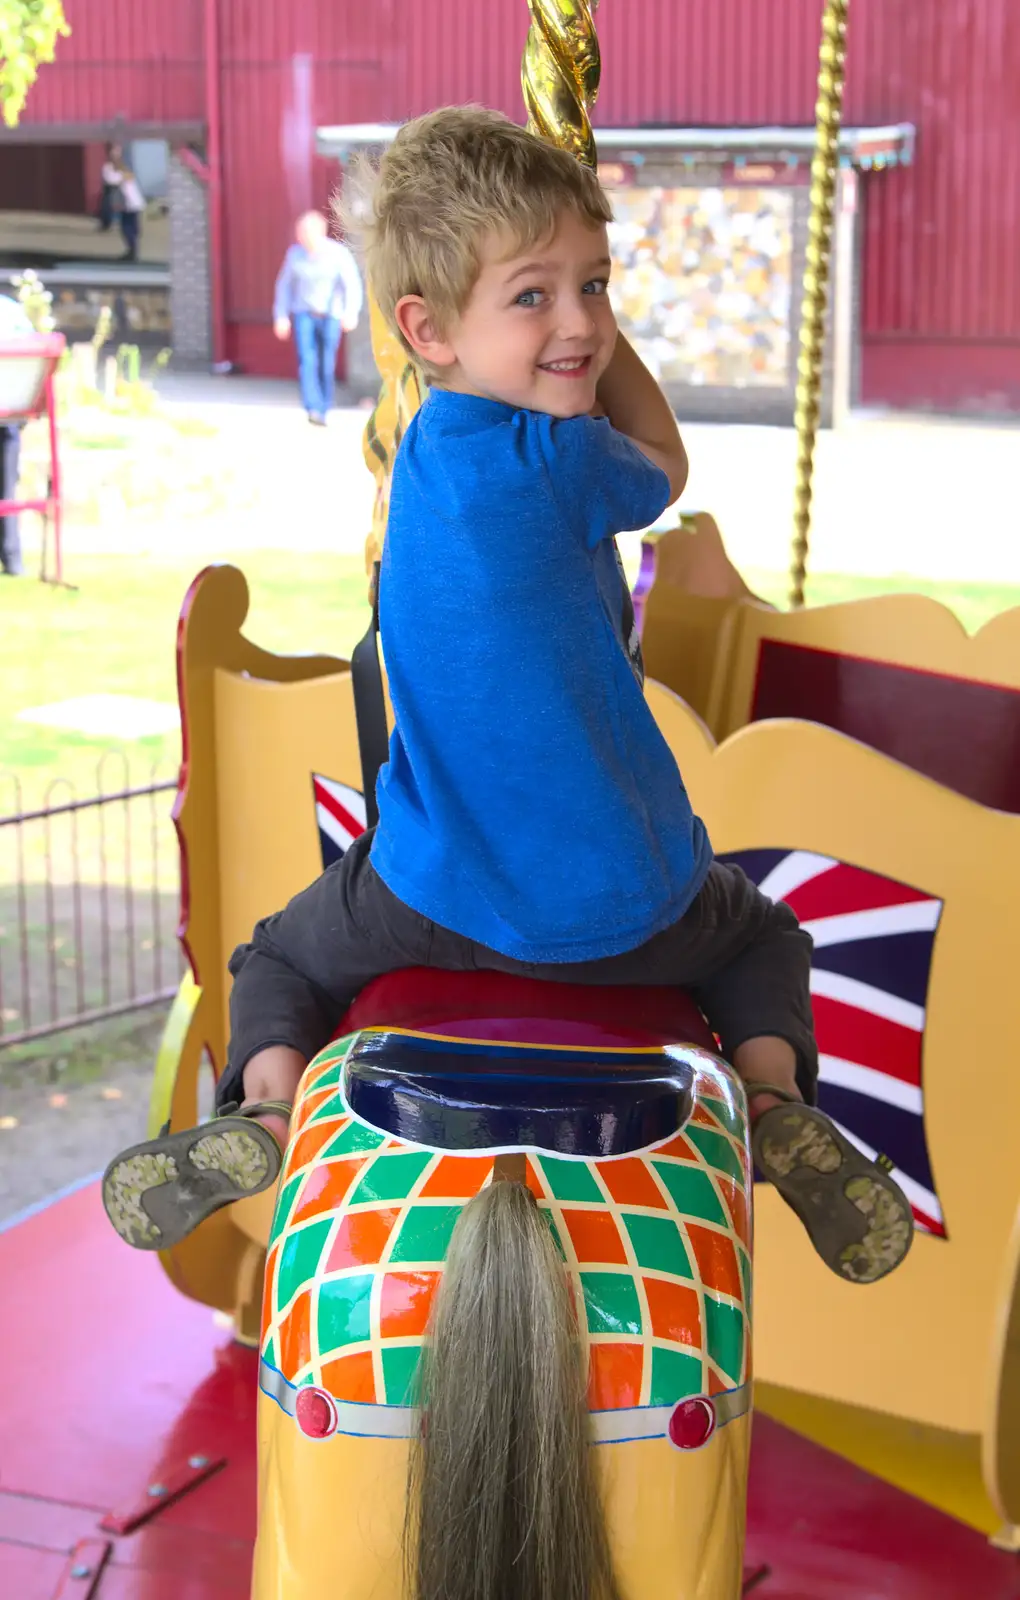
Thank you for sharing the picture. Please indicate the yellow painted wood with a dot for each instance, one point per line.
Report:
(174, 1094)
(938, 1342)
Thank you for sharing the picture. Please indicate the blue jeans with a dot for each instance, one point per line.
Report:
(130, 227)
(317, 340)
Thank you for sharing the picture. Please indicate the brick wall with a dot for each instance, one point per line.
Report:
(189, 267)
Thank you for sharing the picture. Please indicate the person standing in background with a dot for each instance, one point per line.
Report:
(132, 205)
(14, 325)
(123, 198)
(109, 199)
(318, 297)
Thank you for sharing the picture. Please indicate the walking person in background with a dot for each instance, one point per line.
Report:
(14, 325)
(318, 298)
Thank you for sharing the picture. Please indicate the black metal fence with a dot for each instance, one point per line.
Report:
(89, 893)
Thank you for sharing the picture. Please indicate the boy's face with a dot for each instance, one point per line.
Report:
(538, 331)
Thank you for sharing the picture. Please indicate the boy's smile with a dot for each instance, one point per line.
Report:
(537, 331)
(573, 367)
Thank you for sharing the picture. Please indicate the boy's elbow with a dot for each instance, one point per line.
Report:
(677, 471)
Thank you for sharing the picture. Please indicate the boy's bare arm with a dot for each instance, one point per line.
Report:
(637, 408)
(276, 1011)
(273, 1073)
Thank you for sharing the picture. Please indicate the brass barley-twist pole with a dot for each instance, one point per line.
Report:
(560, 74)
(399, 398)
(824, 170)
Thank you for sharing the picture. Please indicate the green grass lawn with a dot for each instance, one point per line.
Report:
(974, 603)
(115, 634)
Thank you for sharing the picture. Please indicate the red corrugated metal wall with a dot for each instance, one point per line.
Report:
(704, 61)
(286, 70)
(941, 294)
(941, 271)
(139, 60)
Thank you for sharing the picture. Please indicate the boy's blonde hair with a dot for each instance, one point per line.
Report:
(447, 180)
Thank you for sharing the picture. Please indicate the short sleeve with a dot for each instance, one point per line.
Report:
(603, 482)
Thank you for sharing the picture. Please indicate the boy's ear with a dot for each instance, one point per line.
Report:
(415, 322)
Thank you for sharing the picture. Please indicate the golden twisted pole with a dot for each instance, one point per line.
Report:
(560, 74)
(400, 395)
(824, 172)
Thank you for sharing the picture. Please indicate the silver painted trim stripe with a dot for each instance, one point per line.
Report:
(364, 1421)
(731, 1404)
(397, 1422)
(652, 1422)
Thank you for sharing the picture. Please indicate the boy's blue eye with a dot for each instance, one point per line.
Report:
(530, 297)
(596, 286)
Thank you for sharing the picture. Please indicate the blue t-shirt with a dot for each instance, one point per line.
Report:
(530, 801)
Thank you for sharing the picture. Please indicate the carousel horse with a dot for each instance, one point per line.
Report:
(506, 1343)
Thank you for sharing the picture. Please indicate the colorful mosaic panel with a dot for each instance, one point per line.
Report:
(657, 1243)
(702, 281)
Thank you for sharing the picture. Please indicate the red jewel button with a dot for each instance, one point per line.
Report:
(316, 1415)
(692, 1423)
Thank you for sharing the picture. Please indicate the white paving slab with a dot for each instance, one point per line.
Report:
(893, 495)
(106, 716)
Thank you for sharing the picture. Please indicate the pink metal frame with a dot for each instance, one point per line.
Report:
(48, 348)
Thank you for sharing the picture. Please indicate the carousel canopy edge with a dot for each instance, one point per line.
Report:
(867, 148)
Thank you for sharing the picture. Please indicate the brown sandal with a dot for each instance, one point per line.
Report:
(157, 1192)
(856, 1215)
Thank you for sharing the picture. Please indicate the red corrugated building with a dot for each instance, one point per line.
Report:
(240, 86)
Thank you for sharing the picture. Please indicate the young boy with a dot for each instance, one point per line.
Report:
(532, 817)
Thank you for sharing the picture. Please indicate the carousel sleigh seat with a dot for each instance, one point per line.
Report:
(898, 672)
(907, 886)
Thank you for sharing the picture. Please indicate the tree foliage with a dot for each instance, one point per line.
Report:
(29, 30)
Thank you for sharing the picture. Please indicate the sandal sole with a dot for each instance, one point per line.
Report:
(157, 1192)
(857, 1217)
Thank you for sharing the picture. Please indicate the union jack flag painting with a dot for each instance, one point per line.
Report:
(874, 939)
(340, 814)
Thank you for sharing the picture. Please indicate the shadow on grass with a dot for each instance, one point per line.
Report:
(85, 1054)
(71, 949)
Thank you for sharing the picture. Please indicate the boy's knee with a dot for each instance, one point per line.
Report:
(782, 927)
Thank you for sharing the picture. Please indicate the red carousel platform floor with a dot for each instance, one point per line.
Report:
(113, 1385)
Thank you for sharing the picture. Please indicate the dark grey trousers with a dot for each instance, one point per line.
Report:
(744, 958)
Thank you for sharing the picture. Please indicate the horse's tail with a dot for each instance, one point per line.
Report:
(503, 1502)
